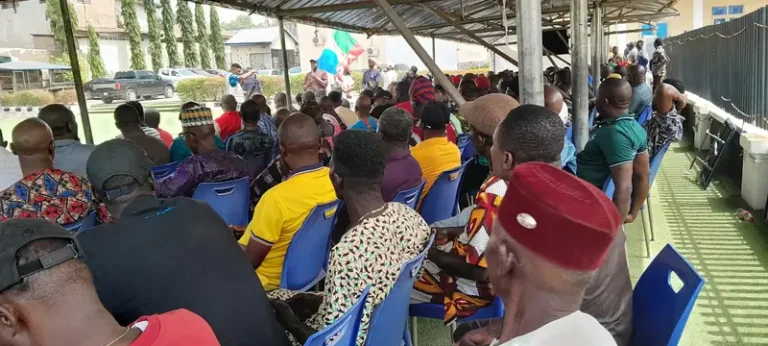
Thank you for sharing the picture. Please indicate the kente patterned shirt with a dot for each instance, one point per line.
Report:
(51, 194)
(214, 165)
(370, 253)
(663, 129)
(461, 296)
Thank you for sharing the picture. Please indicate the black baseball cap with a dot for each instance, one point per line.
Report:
(18, 233)
(383, 94)
(435, 116)
(312, 61)
(117, 157)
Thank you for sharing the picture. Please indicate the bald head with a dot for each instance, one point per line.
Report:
(228, 103)
(636, 75)
(299, 133)
(33, 144)
(613, 97)
(553, 99)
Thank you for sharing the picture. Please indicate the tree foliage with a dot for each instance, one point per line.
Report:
(134, 34)
(187, 24)
(63, 59)
(95, 62)
(202, 37)
(56, 22)
(242, 21)
(217, 42)
(155, 46)
(169, 35)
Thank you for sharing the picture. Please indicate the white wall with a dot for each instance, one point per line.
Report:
(399, 52)
(17, 28)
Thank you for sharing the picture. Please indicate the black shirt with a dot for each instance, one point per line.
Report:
(167, 254)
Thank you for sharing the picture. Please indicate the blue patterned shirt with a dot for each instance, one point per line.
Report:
(267, 127)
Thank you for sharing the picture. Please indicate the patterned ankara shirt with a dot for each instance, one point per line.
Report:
(51, 194)
(215, 165)
(267, 127)
(663, 129)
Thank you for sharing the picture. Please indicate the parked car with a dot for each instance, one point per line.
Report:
(220, 73)
(174, 75)
(268, 72)
(200, 72)
(129, 86)
(295, 70)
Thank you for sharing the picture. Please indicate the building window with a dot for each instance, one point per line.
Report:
(719, 21)
(719, 10)
(736, 9)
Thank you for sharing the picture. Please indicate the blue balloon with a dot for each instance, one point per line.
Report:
(328, 61)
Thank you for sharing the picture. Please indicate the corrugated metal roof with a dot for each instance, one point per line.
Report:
(256, 35)
(481, 16)
(31, 66)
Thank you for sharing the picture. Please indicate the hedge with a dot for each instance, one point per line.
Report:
(201, 89)
(28, 98)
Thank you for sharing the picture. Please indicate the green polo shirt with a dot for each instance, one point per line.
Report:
(615, 142)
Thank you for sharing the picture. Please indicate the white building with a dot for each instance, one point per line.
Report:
(260, 49)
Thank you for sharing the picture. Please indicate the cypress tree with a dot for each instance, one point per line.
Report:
(217, 42)
(169, 35)
(202, 37)
(187, 24)
(155, 46)
(53, 14)
(95, 62)
(134, 34)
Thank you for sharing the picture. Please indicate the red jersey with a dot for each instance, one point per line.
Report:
(229, 124)
(178, 327)
(165, 136)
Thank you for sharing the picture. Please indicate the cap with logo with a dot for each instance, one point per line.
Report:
(118, 157)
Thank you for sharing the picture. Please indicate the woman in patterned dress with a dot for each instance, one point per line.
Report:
(382, 237)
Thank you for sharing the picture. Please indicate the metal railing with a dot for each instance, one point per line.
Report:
(726, 64)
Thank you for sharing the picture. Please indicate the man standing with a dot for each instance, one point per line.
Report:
(71, 155)
(316, 80)
(628, 52)
(133, 283)
(659, 63)
(234, 78)
(618, 150)
(666, 123)
(641, 92)
(642, 54)
(252, 86)
(372, 78)
(229, 122)
(541, 283)
(411, 74)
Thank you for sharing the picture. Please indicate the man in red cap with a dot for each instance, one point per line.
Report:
(483, 85)
(541, 281)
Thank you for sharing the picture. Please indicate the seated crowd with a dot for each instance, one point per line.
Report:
(123, 281)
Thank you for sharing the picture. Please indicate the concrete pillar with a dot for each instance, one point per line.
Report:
(529, 51)
(597, 44)
(579, 83)
(754, 186)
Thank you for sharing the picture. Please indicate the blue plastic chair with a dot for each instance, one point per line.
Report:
(410, 197)
(590, 123)
(659, 313)
(85, 223)
(162, 171)
(465, 146)
(306, 259)
(389, 321)
(343, 331)
(230, 199)
(437, 311)
(644, 116)
(441, 201)
(655, 164)
(258, 160)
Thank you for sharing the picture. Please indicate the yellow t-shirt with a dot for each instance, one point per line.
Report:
(280, 213)
(435, 156)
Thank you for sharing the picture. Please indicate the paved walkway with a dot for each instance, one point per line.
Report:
(730, 254)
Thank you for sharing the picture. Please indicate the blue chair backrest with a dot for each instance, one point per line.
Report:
(644, 116)
(389, 318)
(308, 253)
(659, 313)
(162, 171)
(85, 223)
(343, 331)
(591, 121)
(257, 160)
(465, 146)
(440, 201)
(655, 164)
(230, 199)
(410, 197)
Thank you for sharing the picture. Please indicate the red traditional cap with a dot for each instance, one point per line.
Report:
(558, 216)
(456, 80)
(483, 82)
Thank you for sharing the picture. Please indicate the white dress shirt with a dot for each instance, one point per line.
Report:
(576, 329)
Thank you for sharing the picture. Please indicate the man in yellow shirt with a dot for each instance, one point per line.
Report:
(283, 208)
(435, 153)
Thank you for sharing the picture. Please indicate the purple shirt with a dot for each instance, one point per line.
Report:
(216, 165)
(402, 172)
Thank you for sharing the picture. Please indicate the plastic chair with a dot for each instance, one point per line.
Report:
(230, 199)
(306, 259)
(465, 146)
(389, 320)
(437, 312)
(659, 313)
(162, 171)
(590, 123)
(410, 197)
(343, 331)
(441, 201)
(85, 223)
(644, 116)
(655, 164)
(257, 160)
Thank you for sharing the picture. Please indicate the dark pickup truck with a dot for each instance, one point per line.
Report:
(129, 86)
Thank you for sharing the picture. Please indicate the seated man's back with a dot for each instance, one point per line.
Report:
(166, 254)
(435, 154)
(129, 122)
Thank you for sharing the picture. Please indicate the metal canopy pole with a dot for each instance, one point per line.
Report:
(475, 37)
(76, 71)
(286, 75)
(434, 55)
(420, 52)
(579, 83)
(597, 52)
(529, 51)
